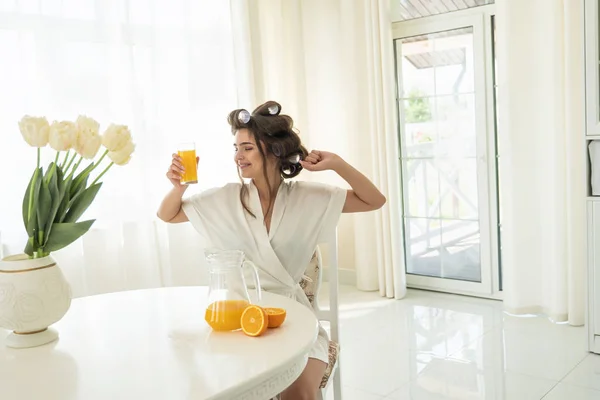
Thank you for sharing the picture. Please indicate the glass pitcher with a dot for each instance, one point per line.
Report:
(227, 293)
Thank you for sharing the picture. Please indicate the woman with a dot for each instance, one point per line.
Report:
(277, 223)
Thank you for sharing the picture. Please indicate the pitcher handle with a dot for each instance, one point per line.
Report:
(256, 279)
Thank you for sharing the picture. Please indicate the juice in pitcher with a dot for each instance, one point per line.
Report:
(228, 295)
(225, 315)
(187, 152)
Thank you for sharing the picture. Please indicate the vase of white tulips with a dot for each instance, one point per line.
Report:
(33, 291)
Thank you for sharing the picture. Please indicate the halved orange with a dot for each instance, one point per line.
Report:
(276, 316)
(254, 320)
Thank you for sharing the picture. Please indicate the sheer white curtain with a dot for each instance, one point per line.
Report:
(330, 64)
(163, 67)
(541, 105)
(171, 70)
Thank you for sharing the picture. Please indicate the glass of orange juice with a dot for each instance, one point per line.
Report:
(187, 152)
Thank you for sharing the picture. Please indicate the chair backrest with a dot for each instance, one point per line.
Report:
(311, 283)
(330, 314)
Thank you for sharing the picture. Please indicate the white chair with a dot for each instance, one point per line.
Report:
(311, 285)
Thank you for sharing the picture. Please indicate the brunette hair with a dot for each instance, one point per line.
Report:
(275, 136)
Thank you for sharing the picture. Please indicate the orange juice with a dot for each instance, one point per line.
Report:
(225, 315)
(189, 164)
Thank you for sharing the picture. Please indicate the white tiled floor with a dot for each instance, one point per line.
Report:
(438, 346)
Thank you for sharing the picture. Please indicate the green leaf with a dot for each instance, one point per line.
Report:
(31, 226)
(44, 204)
(26, 198)
(82, 202)
(56, 180)
(66, 199)
(76, 187)
(64, 234)
(51, 171)
(75, 193)
(80, 181)
(57, 191)
(29, 247)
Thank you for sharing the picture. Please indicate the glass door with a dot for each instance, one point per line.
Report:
(444, 149)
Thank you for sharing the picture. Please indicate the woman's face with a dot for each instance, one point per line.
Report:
(247, 156)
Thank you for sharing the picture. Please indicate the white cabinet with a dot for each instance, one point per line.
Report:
(592, 134)
(592, 63)
(593, 237)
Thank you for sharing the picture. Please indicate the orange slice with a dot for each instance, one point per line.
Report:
(254, 320)
(276, 316)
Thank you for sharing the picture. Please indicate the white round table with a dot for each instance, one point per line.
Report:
(154, 344)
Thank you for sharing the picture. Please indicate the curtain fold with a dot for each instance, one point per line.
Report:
(542, 156)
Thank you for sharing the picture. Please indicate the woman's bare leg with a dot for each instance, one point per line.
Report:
(306, 387)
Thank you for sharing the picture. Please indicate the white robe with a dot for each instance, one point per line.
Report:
(304, 215)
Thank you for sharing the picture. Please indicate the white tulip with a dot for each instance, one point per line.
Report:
(34, 130)
(116, 137)
(88, 137)
(63, 135)
(122, 156)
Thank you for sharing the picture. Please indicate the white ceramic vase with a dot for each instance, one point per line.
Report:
(33, 295)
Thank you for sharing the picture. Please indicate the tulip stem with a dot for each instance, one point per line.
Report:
(98, 162)
(103, 172)
(102, 157)
(76, 166)
(66, 159)
(65, 169)
(40, 253)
